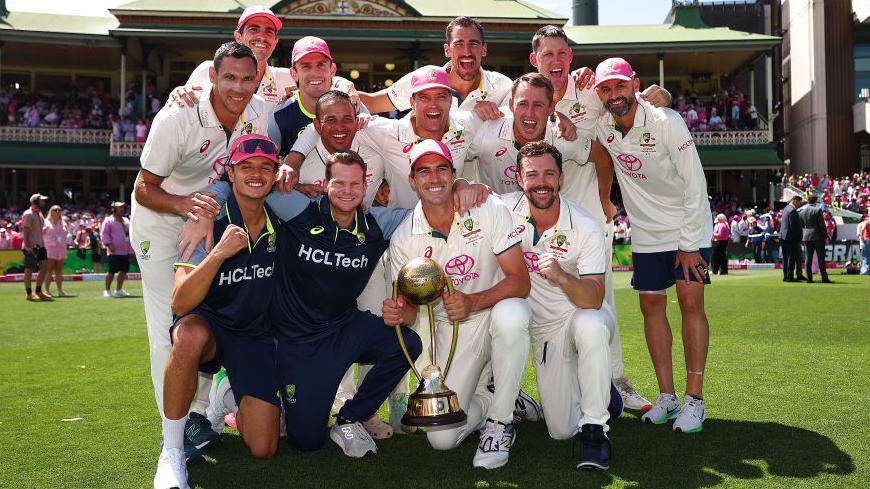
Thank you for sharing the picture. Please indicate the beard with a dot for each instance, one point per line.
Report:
(537, 203)
(626, 106)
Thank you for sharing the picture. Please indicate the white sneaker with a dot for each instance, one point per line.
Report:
(692, 416)
(121, 293)
(353, 439)
(171, 470)
(666, 407)
(107, 293)
(494, 448)
(525, 408)
(216, 410)
(630, 398)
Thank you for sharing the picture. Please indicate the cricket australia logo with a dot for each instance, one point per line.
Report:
(468, 224)
(144, 247)
(290, 393)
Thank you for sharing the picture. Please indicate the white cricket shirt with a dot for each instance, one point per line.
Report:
(468, 255)
(188, 147)
(577, 243)
(663, 185)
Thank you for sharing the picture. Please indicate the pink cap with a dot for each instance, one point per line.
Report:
(429, 77)
(258, 11)
(430, 147)
(251, 145)
(308, 45)
(613, 69)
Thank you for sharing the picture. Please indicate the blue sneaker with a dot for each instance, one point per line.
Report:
(198, 432)
(616, 403)
(594, 448)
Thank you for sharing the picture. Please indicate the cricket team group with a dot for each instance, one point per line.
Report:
(273, 212)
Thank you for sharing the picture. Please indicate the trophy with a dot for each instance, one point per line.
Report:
(433, 404)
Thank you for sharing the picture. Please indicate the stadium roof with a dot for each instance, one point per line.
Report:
(686, 32)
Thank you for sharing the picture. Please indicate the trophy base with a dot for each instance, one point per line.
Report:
(434, 409)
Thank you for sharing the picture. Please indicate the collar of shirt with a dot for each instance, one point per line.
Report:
(483, 90)
(360, 223)
(420, 225)
(405, 130)
(208, 117)
(640, 115)
(564, 223)
(296, 98)
(507, 133)
(571, 94)
(234, 216)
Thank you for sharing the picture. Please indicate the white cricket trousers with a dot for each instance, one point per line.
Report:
(572, 368)
(158, 277)
(616, 368)
(498, 338)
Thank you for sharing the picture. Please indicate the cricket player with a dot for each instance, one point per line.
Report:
(474, 88)
(313, 70)
(665, 195)
(258, 29)
(186, 150)
(479, 253)
(218, 299)
(588, 185)
(572, 325)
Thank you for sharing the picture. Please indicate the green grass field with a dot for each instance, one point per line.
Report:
(786, 388)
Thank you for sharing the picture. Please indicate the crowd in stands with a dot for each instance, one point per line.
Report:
(722, 111)
(88, 108)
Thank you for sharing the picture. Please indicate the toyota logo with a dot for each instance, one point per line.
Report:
(511, 172)
(629, 162)
(459, 265)
(532, 259)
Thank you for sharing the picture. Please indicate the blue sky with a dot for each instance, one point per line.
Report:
(617, 12)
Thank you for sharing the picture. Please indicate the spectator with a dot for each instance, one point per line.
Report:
(864, 243)
(54, 235)
(721, 234)
(716, 123)
(141, 131)
(115, 234)
(33, 247)
(5, 239)
(755, 239)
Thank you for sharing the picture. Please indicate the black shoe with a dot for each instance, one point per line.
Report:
(594, 448)
(827, 281)
(786, 279)
(809, 281)
(801, 279)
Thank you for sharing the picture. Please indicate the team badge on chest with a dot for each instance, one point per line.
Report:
(471, 231)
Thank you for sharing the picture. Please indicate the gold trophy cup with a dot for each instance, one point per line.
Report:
(433, 404)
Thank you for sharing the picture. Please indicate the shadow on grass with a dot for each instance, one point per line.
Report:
(644, 456)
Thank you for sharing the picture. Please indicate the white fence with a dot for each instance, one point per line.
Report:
(55, 135)
(125, 149)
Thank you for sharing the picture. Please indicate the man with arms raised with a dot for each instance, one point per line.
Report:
(219, 299)
(186, 150)
(479, 253)
(665, 194)
(571, 329)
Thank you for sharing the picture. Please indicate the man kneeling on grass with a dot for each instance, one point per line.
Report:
(219, 299)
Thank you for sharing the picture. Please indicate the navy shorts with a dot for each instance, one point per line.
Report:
(119, 263)
(655, 271)
(251, 361)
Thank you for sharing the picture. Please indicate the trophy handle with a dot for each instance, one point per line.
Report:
(402, 339)
(450, 291)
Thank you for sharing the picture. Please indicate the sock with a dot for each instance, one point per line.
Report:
(230, 401)
(342, 420)
(38, 289)
(28, 290)
(700, 398)
(173, 433)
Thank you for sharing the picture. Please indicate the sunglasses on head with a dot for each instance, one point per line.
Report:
(257, 145)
